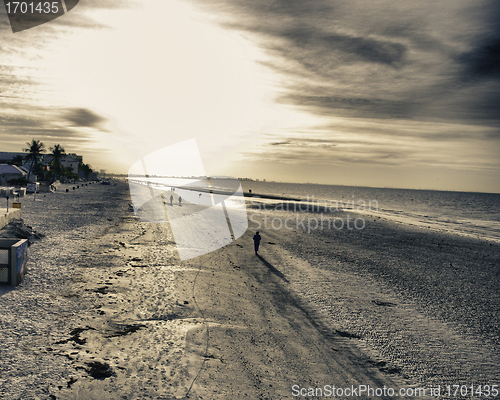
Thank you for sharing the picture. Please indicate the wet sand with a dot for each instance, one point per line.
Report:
(426, 303)
(108, 311)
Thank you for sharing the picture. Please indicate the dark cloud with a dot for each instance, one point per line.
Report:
(43, 118)
(351, 107)
(356, 155)
(306, 141)
(324, 45)
(39, 126)
(82, 117)
(482, 61)
(15, 137)
(384, 59)
(50, 125)
(282, 143)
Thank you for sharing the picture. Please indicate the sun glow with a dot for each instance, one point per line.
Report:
(162, 75)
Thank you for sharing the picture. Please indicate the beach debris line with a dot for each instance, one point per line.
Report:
(385, 367)
(17, 228)
(347, 334)
(75, 336)
(72, 380)
(383, 303)
(100, 290)
(133, 263)
(117, 330)
(99, 370)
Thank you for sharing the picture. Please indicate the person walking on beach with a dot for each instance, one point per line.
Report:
(256, 242)
(180, 200)
(171, 199)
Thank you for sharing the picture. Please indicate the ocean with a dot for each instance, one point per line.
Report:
(465, 213)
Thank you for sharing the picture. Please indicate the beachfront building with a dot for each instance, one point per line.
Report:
(68, 161)
(10, 172)
(9, 157)
(71, 161)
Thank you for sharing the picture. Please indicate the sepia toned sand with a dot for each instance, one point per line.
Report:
(108, 311)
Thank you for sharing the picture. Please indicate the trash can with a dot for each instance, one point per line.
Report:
(13, 260)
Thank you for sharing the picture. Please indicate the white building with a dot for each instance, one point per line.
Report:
(68, 161)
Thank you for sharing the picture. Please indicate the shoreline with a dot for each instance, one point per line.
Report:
(322, 207)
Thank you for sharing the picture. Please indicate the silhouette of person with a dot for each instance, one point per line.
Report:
(171, 199)
(256, 242)
(180, 200)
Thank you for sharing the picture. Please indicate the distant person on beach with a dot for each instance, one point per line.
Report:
(256, 242)
(180, 200)
(171, 199)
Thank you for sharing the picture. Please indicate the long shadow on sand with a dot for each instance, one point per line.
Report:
(272, 268)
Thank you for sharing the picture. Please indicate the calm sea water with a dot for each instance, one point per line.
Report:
(475, 214)
(468, 213)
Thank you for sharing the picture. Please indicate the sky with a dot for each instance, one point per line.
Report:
(385, 93)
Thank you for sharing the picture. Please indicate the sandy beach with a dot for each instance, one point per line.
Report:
(108, 311)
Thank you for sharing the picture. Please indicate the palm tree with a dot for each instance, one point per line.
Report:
(34, 150)
(57, 155)
(86, 170)
(17, 161)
